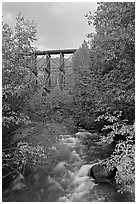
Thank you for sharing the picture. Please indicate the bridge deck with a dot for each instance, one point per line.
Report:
(53, 52)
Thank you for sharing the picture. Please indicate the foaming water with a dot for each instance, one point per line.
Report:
(69, 182)
(81, 188)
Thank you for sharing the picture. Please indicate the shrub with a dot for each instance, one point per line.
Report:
(18, 156)
(123, 157)
(58, 101)
(18, 83)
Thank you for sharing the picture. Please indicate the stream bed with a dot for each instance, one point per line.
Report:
(68, 180)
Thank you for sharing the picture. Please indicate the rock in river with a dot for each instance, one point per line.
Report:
(102, 174)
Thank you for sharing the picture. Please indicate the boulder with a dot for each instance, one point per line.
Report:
(101, 173)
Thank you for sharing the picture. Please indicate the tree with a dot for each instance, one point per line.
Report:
(109, 93)
(19, 85)
(84, 92)
(113, 50)
(113, 65)
(18, 82)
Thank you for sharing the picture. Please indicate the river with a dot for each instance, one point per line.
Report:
(68, 180)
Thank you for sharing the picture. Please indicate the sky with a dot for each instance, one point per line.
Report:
(60, 25)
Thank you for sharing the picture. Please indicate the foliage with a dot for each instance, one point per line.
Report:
(113, 56)
(123, 157)
(83, 101)
(57, 101)
(113, 46)
(110, 93)
(47, 107)
(16, 158)
(124, 152)
(22, 98)
(18, 82)
(103, 88)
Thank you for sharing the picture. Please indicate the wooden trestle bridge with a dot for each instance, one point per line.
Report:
(45, 61)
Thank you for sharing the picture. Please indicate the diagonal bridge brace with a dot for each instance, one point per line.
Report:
(60, 66)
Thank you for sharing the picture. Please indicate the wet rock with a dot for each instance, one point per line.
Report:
(102, 174)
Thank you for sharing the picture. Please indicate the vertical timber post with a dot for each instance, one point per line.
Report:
(48, 79)
(34, 66)
(34, 63)
(62, 72)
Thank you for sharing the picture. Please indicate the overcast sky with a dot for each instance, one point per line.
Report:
(60, 25)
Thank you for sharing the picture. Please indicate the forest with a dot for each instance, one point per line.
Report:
(99, 95)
